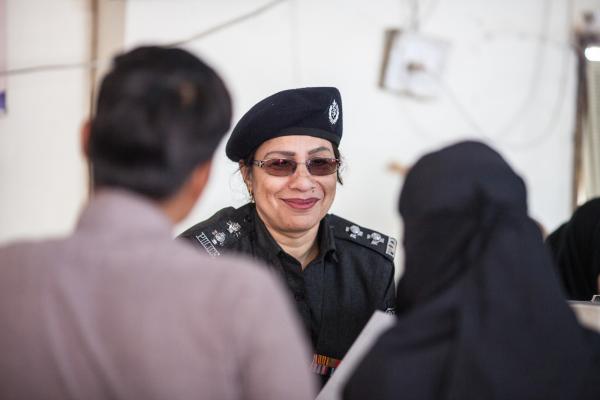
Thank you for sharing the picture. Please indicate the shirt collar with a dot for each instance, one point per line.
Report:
(123, 212)
(265, 241)
(327, 244)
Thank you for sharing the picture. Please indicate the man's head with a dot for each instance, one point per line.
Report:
(160, 114)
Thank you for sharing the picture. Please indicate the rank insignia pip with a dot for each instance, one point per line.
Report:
(375, 238)
(354, 231)
(234, 228)
(218, 238)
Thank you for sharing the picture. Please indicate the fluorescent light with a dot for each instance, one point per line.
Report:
(592, 53)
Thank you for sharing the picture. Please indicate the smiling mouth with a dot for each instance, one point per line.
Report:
(301, 204)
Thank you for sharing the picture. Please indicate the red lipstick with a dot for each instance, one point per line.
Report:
(301, 204)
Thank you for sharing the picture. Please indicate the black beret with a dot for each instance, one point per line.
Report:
(312, 111)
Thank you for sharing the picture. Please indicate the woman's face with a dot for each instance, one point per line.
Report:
(295, 203)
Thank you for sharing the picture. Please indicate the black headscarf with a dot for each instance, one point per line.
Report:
(481, 312)
(576, 249)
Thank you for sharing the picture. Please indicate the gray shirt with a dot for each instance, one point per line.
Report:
(119, 310)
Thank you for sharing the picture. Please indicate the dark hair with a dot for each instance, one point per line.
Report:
(161, 112)
(248, 161)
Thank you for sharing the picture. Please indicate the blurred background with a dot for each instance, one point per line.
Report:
(414, 75)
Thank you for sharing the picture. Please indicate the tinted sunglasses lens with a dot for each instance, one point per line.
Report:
(280, 167)
(322, 166)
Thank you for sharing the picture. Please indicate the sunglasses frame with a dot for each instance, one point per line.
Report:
(294, 163)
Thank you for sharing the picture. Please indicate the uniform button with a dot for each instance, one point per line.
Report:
(299, 296)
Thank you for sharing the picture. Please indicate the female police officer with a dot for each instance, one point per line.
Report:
(338, 272)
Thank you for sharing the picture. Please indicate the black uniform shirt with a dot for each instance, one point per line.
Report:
(335, 294)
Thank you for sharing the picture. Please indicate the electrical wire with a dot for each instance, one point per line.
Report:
(551, 124)
(98, 63)
(460, 107)
(417, 14)
(244, 17)
(295, 58)
(414, 16)
(414, 23)
(533, 90)
(429, 11)
(549, 41)
(52, 67)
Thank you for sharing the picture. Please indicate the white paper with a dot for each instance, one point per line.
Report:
(587, 313)
(378, 323)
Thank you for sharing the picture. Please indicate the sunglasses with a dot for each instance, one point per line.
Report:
(286, 167)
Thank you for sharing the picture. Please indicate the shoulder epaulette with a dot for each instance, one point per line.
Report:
(219, 231)
(347, 230)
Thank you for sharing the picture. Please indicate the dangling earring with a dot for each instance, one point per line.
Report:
(251, 194)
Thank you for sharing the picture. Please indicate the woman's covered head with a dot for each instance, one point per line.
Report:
(451, 201)
(576, 249)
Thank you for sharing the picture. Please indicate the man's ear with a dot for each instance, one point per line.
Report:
(86, 127)
(178, 206)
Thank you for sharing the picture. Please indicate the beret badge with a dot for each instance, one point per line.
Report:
(334, 112)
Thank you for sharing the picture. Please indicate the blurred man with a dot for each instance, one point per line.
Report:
(119, 310)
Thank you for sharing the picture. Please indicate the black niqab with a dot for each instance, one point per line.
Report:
(576, 249)
(481, 312)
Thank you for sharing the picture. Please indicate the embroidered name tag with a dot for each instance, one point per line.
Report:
(207, 244)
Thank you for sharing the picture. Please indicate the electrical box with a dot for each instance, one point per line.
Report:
(412, 63)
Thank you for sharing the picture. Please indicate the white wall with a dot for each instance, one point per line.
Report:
(42, 175)
(497, 67)
(518, 89)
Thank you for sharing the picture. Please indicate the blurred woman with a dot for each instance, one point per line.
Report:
(575, 246)
(338, 272)
(480, 315)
